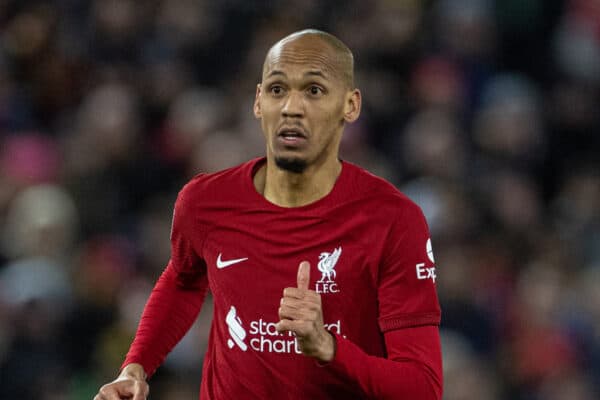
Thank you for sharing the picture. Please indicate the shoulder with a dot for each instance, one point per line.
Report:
(381, 195)
(205, 183)
(217, 186)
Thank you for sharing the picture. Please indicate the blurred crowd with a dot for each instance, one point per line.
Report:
(486, 113)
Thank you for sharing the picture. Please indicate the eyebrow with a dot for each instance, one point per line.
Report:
(277, 72)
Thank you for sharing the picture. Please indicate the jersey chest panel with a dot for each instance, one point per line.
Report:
(248, 268)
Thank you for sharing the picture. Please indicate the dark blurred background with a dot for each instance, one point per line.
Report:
(485, 112)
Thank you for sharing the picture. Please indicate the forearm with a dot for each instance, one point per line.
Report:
(134, 371)
(169, 313)
(410, 371)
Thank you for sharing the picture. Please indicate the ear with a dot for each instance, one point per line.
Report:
(257, 111)
(352, 106)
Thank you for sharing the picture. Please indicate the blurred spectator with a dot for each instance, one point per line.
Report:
(438, 82)
(482, 111)
(508, 127)
(466, 376)
(433, 145)
(41, 222)
(466, 28)
(26, 159)
(36, 291)
(192, 116)
(578, 41)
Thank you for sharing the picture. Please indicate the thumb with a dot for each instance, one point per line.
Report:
(303, 275)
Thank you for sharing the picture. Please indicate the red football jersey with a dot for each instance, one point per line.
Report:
(371, 261)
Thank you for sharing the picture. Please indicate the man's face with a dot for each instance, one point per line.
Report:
(303, 102)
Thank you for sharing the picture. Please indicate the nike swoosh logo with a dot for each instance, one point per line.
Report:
(223, 264)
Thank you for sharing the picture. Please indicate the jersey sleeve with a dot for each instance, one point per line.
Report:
(412, 369)
(176, 299)
(188, 266)
(406, 292)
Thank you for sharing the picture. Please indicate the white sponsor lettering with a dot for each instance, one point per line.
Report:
(262, 336)
(424, 272)
(265, 344)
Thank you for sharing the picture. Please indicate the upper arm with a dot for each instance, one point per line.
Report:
(185, 261)
(406, 291)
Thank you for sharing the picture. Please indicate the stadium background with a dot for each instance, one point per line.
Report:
(484, 112)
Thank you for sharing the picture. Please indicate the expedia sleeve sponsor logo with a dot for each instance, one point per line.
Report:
(424, 272)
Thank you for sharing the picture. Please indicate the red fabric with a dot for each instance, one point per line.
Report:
(170, 312)
(412, 370)
(378, 290)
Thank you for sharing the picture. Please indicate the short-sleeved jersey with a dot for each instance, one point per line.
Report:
(370, 259)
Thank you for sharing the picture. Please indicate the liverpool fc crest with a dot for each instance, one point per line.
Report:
(326, 266)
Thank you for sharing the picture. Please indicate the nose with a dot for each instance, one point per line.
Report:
(293, 106)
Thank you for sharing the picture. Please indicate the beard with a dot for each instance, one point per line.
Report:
(294, 165)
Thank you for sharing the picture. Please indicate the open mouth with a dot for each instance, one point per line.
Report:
(291, 133)
(291, 137)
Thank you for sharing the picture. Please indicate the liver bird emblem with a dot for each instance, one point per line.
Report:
(327, 263)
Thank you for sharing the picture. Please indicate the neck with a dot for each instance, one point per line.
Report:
(289, 189)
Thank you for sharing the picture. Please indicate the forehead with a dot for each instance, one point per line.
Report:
(304, 56)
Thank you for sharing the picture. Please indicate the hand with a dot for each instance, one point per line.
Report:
(131, 384)
(301, 312)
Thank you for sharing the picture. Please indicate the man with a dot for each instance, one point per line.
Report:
(322, 274)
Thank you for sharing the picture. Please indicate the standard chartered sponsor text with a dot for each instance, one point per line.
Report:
(265, 338)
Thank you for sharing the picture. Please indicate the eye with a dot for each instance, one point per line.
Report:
(314, 90)
(276, 90)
